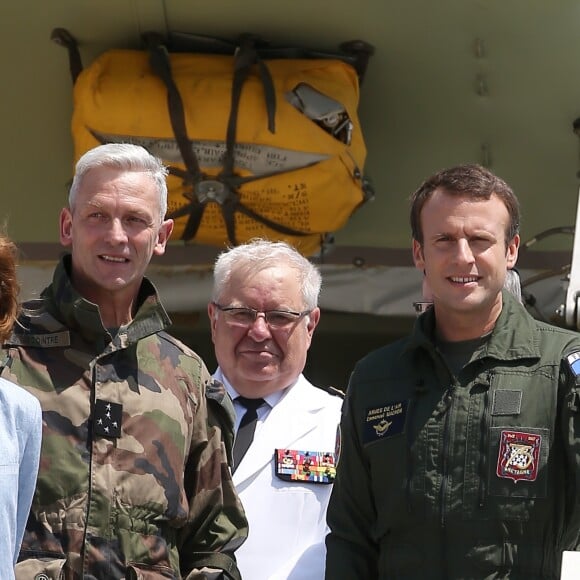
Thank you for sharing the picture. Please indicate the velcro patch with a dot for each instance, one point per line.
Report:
(107, 418)
(574, 362)
(518, 455)
(507, 402)
(305, 466)
(55, 339)
(384, 422)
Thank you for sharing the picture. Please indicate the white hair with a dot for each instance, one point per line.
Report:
(258, 255)
(124, 156)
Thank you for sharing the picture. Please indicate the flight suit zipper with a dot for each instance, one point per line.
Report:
(420, 389)
(409, 452)
(483, 450)
(90, 443)
(448, 407)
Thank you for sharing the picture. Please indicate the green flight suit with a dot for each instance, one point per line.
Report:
(133, 479)
(468, 477)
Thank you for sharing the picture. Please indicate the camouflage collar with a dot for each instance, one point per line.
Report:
(78, 314)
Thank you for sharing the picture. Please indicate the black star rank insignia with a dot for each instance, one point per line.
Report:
(107, 419)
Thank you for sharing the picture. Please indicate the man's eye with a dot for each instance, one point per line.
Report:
(242, 315)
(480, 242)
(97, 219)
(280, 318)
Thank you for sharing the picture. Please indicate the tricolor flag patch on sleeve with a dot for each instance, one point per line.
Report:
(574, 362)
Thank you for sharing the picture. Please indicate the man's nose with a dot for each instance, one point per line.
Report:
(116, 232)
(464, 252)
(259, 329)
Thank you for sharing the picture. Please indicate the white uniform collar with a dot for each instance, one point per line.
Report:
(273, 399)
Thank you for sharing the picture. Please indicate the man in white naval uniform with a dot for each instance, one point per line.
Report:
(263, 315)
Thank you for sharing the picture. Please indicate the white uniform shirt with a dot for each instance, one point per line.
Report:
(287, 519)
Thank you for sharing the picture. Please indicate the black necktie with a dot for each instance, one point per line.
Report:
(245, 434)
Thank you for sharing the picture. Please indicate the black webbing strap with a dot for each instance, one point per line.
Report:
(161, 66)
(232, 206)
(229, 207)
(159, 61)
(355, 53)
(194, 209)
(245, 58)
(64, 38)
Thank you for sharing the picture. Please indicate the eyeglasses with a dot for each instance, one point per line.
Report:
(245, 317)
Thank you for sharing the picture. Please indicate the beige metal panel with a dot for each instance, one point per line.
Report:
(451, 81)
(36, 145)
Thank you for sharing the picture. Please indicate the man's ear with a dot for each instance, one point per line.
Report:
(313, 319)
(211, 312)
(65, 227)
(418, 256)
(512, 252)
(163, 237)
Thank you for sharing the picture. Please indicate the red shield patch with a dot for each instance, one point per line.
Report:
(518, 455)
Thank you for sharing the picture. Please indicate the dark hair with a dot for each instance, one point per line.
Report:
(470, 180)
(8, 287)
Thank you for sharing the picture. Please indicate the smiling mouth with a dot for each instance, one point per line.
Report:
(463, 279)
(116, 259)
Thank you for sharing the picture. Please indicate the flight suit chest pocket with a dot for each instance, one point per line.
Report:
(517, 462)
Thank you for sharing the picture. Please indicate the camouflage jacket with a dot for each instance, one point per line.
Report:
(133, 480)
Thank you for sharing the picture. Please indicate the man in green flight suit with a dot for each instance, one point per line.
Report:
(134, 479)
(460, 447)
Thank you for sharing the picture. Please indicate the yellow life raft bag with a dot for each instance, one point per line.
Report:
(257, 144)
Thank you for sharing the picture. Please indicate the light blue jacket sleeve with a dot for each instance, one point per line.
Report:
(30, 437)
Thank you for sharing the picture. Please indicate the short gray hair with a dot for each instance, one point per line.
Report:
(258, 255)
(124, 156)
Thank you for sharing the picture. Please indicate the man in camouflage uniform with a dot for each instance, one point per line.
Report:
(134, 480)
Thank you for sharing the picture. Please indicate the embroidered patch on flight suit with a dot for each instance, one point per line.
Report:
(305, 466)
(384, 422)
(107, 418)
(574, 362)
(518, 455)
